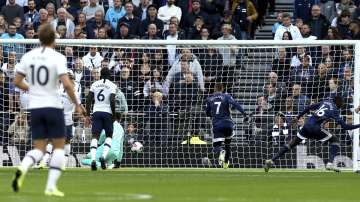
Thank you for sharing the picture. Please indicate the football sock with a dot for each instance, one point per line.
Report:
(67, 149)
(93, 147)
(333, 151)
(30, 159)
(55, 164)
(49, 149)
(227, 149)
(107, 146)
(282, 151)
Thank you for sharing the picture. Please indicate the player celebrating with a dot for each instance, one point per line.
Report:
(218, 108)
(43, 67)
(323, 112)
(103, 92)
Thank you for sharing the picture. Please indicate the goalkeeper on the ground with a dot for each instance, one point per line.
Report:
(116, 152)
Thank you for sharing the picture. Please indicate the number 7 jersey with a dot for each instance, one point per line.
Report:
(42, 68)
(102, 90)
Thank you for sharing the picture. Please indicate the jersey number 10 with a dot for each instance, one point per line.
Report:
(40, 80)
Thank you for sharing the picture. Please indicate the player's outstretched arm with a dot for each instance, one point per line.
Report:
(308, 109)
(237, 106)
(69, 88)
(112, 104)
(89, 101)
(344, 125)
(19, 82)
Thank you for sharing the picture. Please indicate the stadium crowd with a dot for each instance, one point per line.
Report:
(298, 77)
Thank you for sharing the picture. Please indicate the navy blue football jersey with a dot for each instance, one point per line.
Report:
(218, 107)
(325, 111)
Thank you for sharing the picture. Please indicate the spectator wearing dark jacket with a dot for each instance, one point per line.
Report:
(302, 9)
(355, 30)
(151, 19)
(244, 14)
(195, 13)
(11, 11)
(141, 10)
(95, 24)
(151, 33)
(131, 20)
(318, 23)
(343, 22)
(124, 32)
(227, 19)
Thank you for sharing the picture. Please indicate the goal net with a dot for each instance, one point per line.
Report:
(273, 81)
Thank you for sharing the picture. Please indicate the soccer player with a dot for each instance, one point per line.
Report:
(218, 108)
(69, 108)
(43, 67)
(313, 129)
(102, 93)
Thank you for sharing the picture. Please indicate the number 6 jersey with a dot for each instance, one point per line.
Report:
(102, 90)
(42, 68)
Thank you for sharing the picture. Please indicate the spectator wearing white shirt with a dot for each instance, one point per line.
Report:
(287, 26)
(21, 3)
(63, 20)
(306, 33)
(93, 59)
(91, 9)
(168, 11)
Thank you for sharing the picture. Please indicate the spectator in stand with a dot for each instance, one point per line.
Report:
(318, 23)
(81, 21)
(262, 106)
(281, 66)
(276, 84)
(12, 10)
(299, 23)
(151, 33)
(93, 59)
(171, 35)
(3, 25)
(214, 9)
(345, 62)
(91, 9)
(287, 26)
(83, 4)
(195, 13)
(273, 98)
(211, 62)
(302, 9)
(345, 5)
(102, 34)
(194, 32)
(325, 52)
(29, 34)
(347, 85)
(342, 24)
(277, 24)
(304, 75)
(333, 88)
(151, 18)
(19, 27)
(94, 24)
(333, 34)
(32, 15)
(328, 9)
(128, 87)
(131, 20)
(168, 11)
(244, 13)
(355, 30)
(50, 7)
(155, 84)
(43, 3)
(227, 19)
(71, 12)
(18, 130)
(300, 53)
(204, 33)
(63, 20)
(61, 32)
(320, 86)
(287, 36)
(82, 76)
(307, 33)
(141, 10)
(356, 14)
(125, 32)
(114, 14)
(11, 34)
(4, 96)
(43, 19)
(300, 101)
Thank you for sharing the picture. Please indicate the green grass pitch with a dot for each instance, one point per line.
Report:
(182, 185)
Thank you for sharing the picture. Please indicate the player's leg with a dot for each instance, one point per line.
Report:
(334, 148)
(218, 141)
(97, 126)
(56, 129)
(37, 125)
(45, 160)
(227, 142)
(67, 147)
(109, 128)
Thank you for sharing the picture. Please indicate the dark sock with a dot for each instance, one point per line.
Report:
(282, 151)
(227, 154)
(333, 151)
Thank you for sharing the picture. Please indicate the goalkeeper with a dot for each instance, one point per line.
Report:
(116, 152)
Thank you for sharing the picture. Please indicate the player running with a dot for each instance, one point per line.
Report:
(43, 67)
(218, 108)
(102, 93)
(313, 129)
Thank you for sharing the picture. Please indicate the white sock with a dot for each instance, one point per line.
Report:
(49, 149)
(93, 147)
(107, 146)
(30, 159)
(55, 164)
(67, 149)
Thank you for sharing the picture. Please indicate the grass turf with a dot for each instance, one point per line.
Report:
(166, 185)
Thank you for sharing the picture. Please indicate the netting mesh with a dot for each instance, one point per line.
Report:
(272, 83)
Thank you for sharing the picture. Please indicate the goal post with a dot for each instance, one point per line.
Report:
(267, 77)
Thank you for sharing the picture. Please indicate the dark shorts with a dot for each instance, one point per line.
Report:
(102, 121)
(47, 123)
(315, 132)
(222, 131)
(69, 132)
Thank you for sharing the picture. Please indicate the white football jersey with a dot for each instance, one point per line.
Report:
(42, 68)
(69, 107)
(102, 90)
